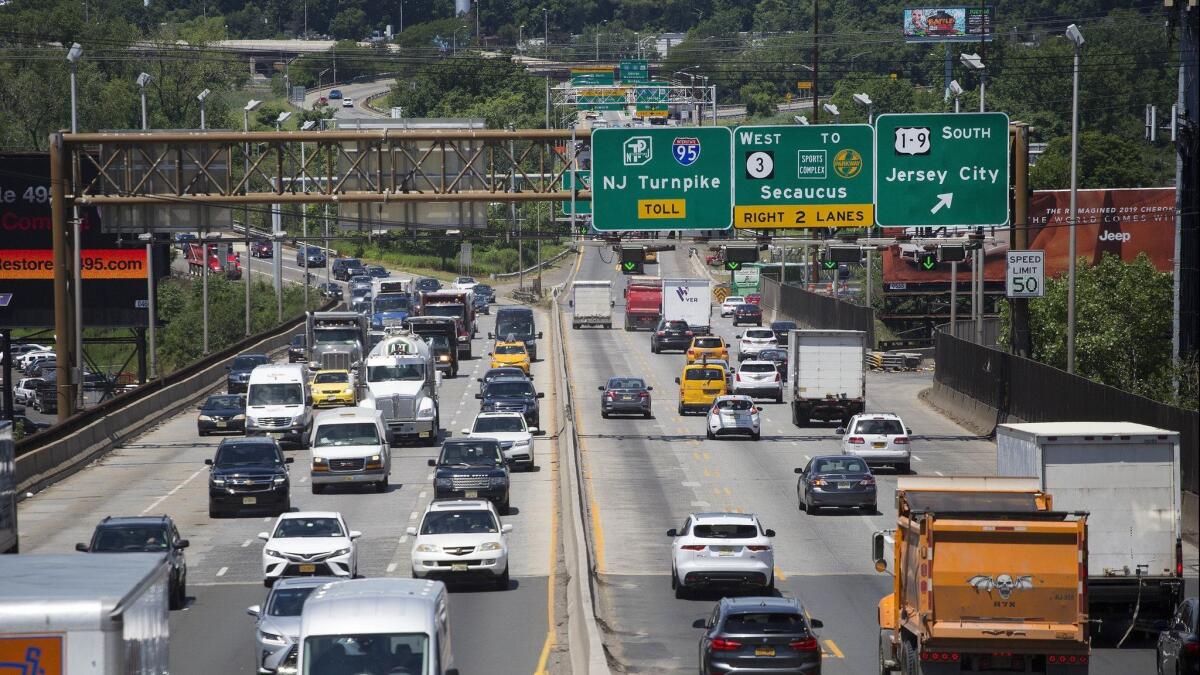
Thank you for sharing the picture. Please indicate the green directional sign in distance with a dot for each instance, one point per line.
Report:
(583, 207)
(941, 170)
(661, 179)
(803, 176)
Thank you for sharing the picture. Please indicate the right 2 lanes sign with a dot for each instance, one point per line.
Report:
(1026, 275)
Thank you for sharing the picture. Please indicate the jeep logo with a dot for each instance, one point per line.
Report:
(1116, 236)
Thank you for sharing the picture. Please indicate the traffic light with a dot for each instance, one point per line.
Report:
(844, 254)
(948, 253)
(927, 260)
(633, 259)
(736, 255)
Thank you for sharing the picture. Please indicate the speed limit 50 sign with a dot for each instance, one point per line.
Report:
(1026, 275)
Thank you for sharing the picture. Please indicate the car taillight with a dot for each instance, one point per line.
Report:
(818, 482)
(869, 480)
(758, 549)
(1069, 659)
(945, 657)
(610, 394)
(1192, 647)
(753, 411)
(855, 440)
(693, 547)
(723, 645)
(662, 333)
(737, 377)
(688, 333)
(714, 411)
(777, 377)
(900, 440)
(1179, 562)
(691, 352)
(643, 394)
(805, 645)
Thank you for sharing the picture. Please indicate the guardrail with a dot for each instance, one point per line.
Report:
(573, 248)
(49, 456)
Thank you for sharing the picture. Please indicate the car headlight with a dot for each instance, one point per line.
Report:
(219, 482)
(272, 553)
(490, 546)
(205, 418)
(442, 483)
(524, 441)
(279, 480)
(499, 481)
(425, 411)
(272, 638)
(340, 551)
(238, 418)
(426, 548)
(298, 419)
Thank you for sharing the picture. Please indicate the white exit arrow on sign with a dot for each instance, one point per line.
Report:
(944, 200)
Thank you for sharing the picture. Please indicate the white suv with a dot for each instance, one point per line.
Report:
(878, 438)
(759, 379)
(516, 439)
(721, 550)
(461, 538)
(754, 341)
(309, 543)
(731, 304)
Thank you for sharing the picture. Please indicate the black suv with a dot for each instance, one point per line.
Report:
(671, 335)
(144, 534)
(506, 394)
(239, 371)
(472, 468)
(342, 266)
(298, 349)
(248, 473)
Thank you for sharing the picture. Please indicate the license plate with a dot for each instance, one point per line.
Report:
(424, 434)
(471, 494)
(308, 569)
(626, 398)
(459, 567)
(879, 445)
(764, 651)
(249, 500)
(725, 550)
(276, 434)
(222, 425)
(348, 478)
(845, 486)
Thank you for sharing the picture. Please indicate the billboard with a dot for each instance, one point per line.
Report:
(948, 24)
(1122, 222)
(114, 273)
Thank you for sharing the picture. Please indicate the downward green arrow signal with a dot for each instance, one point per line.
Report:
(732, 265)
(928, 263)
(829, 264)
(630, 265)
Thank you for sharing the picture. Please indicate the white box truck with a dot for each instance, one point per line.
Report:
(591, 303)
(829, 378)
(688, 300)
(84, 614)
(1127, 477)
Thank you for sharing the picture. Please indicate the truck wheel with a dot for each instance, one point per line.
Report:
(909, 665)
(574, 326)
(608, 326)
(904, 469)
(799, 415)
(318, 488)
(884, 653)
(681, 409)
(382, 486)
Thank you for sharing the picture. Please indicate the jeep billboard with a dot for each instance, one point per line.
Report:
(1122, 222)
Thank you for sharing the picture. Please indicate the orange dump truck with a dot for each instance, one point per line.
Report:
(988, 579)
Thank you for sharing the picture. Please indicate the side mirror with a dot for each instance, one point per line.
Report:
(908, 431)
(208, 462)
(816, 623)
(506, 528)
(432, 462)
(534, 431)
(491, 336)
(738, 336)
(479, 396)
(541, 394)
(840, 431)
(479, 379)
(308, 400)
(878, 547)
(677, 380)
(491, 354)
(649, 388)
(799, 470)
(81, 547)
(570, 303)
(466, 432)
(600, 388)
(389, 436)
(672, 532)
(355, 534)
(539, 335)
(182, 544)
(769, 532)
(254, 610)
(411, 531)
(264, 536)
(289, 460)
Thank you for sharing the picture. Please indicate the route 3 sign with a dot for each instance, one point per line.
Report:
(1026, 274)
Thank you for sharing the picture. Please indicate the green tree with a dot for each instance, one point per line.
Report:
(349, 24)
(1105, 161)
(761, 99)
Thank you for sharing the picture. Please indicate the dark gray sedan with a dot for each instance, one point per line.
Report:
(759, 635)
(625, 395)
(836, 481)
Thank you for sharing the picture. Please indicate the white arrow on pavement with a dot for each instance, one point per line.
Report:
(945, 199)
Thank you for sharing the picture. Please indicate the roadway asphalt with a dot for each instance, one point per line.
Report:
(358, 92)
(645, 475)
(163, 472)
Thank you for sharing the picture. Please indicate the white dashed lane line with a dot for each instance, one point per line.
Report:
(221, 572)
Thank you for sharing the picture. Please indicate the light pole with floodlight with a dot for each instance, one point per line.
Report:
(975, 63)
(1076, 39)
(956, 90)
(251, 105)
(73, 55)
(832, 109)
(142, 81)
(865, 100)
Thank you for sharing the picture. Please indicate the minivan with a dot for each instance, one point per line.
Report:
(699, 385)
(279, 403)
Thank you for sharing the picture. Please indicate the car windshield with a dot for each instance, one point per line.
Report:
(735, 404)
(130, 538)
(336, 335)
(367, 654)
(880, 427)
(375, 269)
(515, 328)
(297, 340)
(709, 343)
(248, 362)
(350, 262)
(247, 454)
(509, 389)
(361, 278)
(464, 280)
(276, 394)
(747, 308)
(477, 453)
(704, 374)
(764, 334)
(734, 300)
(783, 325)
(481, 289)
(403, 372)
(459, 522)
(390, 303)
(220, 402)
(725, 531)
(758, 368)
(772, 355)
(765, 622)
(429, 284)
(839, 466)
(335, 377)
(288, 601)
(626, 383)
(510, 349)
(495, 425)
(289, 528)
(347, 433)
(676, 325)
(438, 341)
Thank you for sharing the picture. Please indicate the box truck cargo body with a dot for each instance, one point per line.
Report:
(591, 303)
(829, 380)
(688, 300)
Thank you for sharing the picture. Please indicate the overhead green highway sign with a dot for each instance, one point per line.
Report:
(661, 179)
(803, 176)
(947, 169)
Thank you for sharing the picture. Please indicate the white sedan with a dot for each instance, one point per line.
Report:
(309, 543)
(516, 439)
(721, 550)
(461, 538)
(734, 414)
(878, 438)
(731, 304)
(347, 103)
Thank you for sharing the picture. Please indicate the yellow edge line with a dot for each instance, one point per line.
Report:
(593, 508)
(550, 628)
(834, 648)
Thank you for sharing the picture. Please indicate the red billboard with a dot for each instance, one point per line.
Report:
(1122, 222)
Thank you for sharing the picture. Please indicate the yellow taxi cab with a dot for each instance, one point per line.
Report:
(333, 387)
(707, 347)
(510, 354)
(700, 384)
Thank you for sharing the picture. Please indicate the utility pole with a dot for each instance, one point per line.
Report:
(1187, 220)
(1020, 339)
(816, 61)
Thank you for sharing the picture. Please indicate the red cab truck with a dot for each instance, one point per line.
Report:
(643, 302)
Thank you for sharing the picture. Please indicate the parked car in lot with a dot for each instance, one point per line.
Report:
(144, 534)
(239, 371)
(472, 468)
(625, 395)
(26, 388)
(721, 551)
(733, 415)
(759, 635)
(670, 335)
(836, 481)
(309, 543)
(1178, 649)
(461, 539)
(248, 474)
(222, 413)
(879, 439)
(758, 379)
(747, 313)
(730, 303)
(277, 620)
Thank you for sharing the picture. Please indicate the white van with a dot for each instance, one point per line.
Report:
(376, 626)
(279, 403)
(350, 445)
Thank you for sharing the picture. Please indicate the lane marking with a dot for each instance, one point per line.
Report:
(551, 636)
(221, 572)
(403, 538)
(917, 458)
(391, 568)
(691, 484)
(939, 473)
(779, 575)
(429, 477)
(701, 504)
(175, 489)
(246, 543)
(421, 495)
(412, 516)
(834, 648)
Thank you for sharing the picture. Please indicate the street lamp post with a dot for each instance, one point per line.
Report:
(956, 90)
(1076, 39)
(975, 63)
(251, 105)
(204, 247)
(520, 36)
(832, 109)
(277, 237)
(304, 212)
(73, 55)
(200, 97)
(142, 81)
(865, 100)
